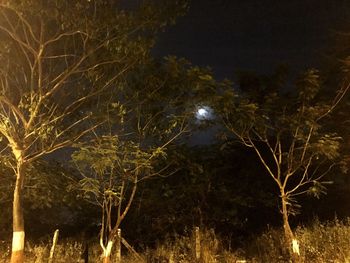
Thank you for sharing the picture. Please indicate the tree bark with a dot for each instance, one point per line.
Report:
(288, 233)
(107, 252)
(17, 252)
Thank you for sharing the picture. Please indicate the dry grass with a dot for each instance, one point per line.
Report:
(182, 250)
(327, 242)
(66, 251)
(319, 243)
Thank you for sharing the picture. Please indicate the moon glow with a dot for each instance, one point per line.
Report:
(204, 113)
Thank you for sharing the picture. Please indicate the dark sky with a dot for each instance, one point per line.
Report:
(257, 35)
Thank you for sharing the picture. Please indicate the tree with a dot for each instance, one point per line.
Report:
(57, 57)
(208, 190)
(146, 119)
(110, 173)
(289, 134)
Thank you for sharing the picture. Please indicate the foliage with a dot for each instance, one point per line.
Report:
(164, 95)
(79, 74)
(287, 131)
(153, 110)
(106, 164)
(208, 189)
(44, 194)
(59, 59)
(50, 54)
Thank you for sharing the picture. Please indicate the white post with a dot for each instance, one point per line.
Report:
(54, 242)
(198, 243)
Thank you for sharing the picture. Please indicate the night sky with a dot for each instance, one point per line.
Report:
(255, 35)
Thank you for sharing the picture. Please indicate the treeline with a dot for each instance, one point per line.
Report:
(95, 131)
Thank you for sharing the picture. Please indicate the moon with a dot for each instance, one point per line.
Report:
(204, 113)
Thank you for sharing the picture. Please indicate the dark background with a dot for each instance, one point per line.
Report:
(232, 36)
(256, 35)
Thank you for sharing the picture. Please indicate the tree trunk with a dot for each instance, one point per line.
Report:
(17, 253)
(288, 233)
(107, 252)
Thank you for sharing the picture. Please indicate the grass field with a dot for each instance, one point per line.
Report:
(319, 243)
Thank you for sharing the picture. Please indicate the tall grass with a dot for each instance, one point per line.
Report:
(182, 250)
(320, 242)
(66, 251)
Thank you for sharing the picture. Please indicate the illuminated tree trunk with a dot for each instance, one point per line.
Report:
(107, 252)
(288, 233)
(286, 227)
(17, 254)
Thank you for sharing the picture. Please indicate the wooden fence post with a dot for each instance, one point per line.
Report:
(197, 243)
(118, 246)
(54, 242)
